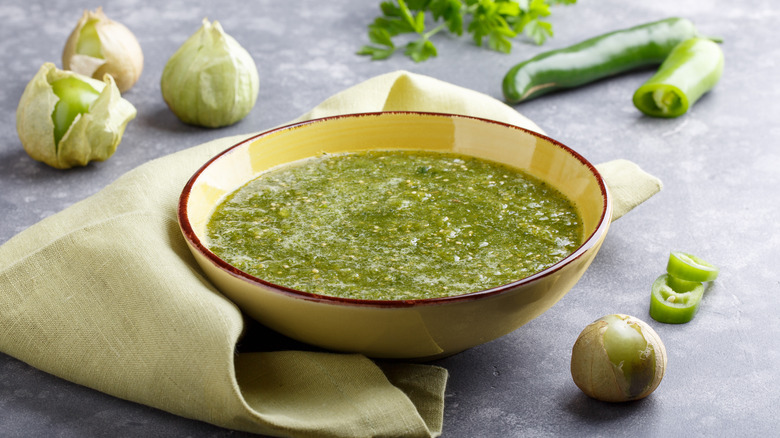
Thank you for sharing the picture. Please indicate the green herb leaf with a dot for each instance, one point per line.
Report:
(376, 53)
(498, 22)
(390, 9)
(539, 8)
(450, 12)
(406, 14)
(380, 35)
(420, 50)
(538, 31)
(508, 8)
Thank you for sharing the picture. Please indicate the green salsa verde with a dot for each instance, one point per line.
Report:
(394, 225)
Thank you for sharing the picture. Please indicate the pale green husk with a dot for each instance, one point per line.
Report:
(122, 55)
(211, 80)
(93, 136)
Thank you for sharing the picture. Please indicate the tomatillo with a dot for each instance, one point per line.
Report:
(75, 96)
(211, 80)
(65, 119)
(618, 358)
(99, 46)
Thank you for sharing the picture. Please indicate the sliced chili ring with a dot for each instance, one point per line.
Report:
(671, 306)
(690, 268)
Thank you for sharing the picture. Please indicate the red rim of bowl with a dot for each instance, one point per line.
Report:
(195, 242)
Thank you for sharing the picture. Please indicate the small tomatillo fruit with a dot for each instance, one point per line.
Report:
(210, 80)
(65, 119)
(99, 46)
(76, 96)
(618, 358)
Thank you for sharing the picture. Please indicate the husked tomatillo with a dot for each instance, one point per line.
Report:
(618, 358)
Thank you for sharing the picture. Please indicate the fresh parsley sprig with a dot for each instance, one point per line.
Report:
(496, 22)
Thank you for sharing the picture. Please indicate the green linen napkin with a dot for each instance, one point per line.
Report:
(107, 295)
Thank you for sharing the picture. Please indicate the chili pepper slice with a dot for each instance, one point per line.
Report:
(688, 267)
(692, 69)
(596, 58)
(672, 306)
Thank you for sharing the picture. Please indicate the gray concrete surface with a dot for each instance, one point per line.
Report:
(720, 165)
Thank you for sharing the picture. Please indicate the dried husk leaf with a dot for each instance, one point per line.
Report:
(660, 358)
(595, 374)
(211, 80)
(93, 136)
(122, 55)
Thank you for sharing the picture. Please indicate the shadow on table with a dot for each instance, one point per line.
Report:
(259, 338)
(597, 412)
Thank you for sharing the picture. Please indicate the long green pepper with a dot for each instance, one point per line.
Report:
(596, 58)
(692, 69)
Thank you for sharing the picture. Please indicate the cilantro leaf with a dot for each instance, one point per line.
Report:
(420, 50)
(450, 11)
(376, 53)
(497, 22)
(380, 35)
(538, 31)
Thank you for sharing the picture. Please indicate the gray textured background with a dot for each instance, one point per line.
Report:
(720, 165)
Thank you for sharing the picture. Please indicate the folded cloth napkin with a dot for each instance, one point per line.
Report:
(107, 295)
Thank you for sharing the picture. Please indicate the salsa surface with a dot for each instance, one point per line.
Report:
(393, 225)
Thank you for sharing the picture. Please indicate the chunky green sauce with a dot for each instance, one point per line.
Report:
(394, 225)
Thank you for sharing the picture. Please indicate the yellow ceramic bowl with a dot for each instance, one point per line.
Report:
(409, 329)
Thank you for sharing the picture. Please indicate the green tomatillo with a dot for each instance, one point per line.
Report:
(99, 46)
(210, 80)
(75, 97)
(65, 119)
(618, 358)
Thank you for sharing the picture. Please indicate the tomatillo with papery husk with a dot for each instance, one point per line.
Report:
(618, 358)
(65, 119)
(99, 46)
(211, 80)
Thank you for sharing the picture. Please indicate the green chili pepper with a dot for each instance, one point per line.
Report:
(692, 69)
(688, 267)
(675, 296)
(674, 301)
(596, 58)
